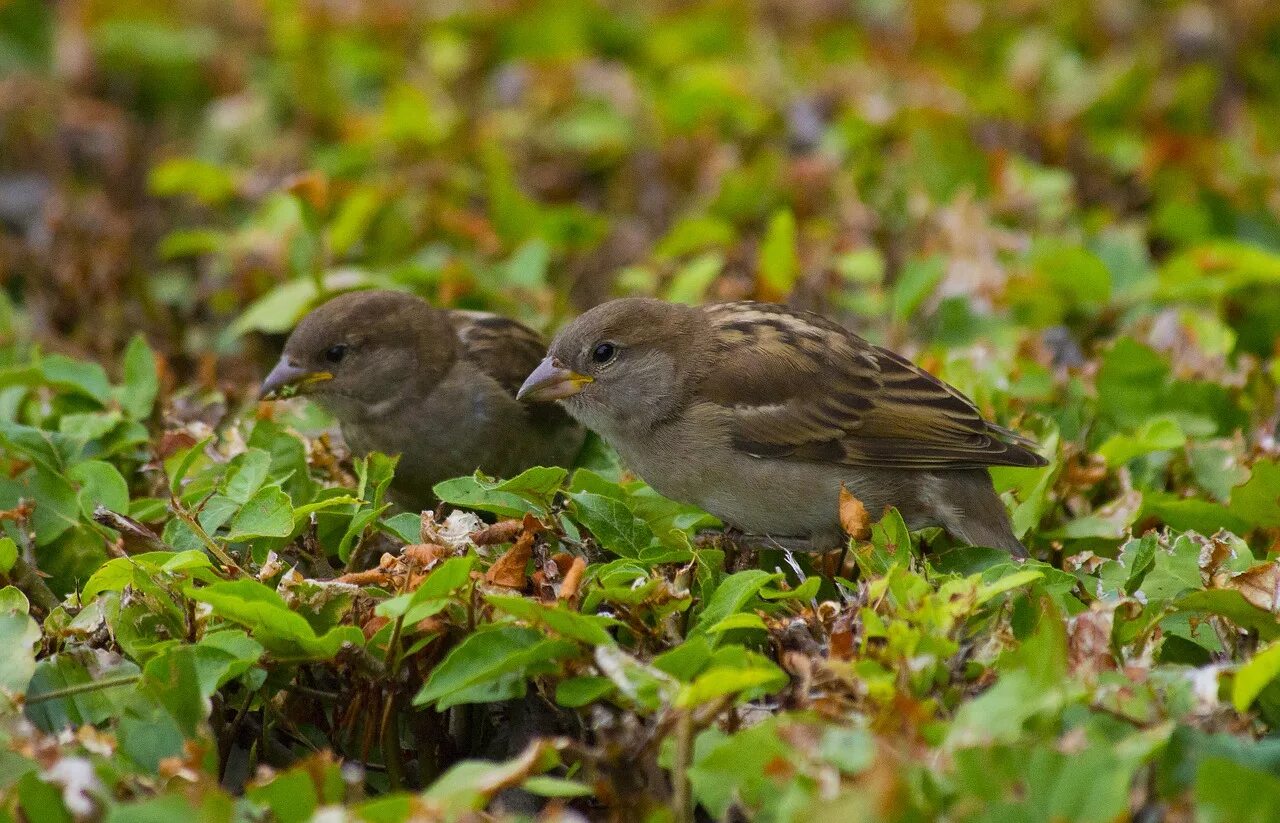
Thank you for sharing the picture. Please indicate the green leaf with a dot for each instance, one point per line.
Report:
(8, 554)
(990, 590)
(100, 485)
(686, 660)
(779, 264)
(741, 620)
(587, 628)
(718, 681)
(279, 310)
(547, 786)
(179, 472)
(492, 665)
(916, 282)
(41, 800)
(612, 523)
(1254, 676)
(170, 679)
(1176, 570)
(432, 594)
(141, 381)
(1258, 500)
(1228, 792)
(268, 513)
(1156, 434)
(19, 635)
(245, 474)
(805, 591)
(469, 493)
(57, 508)
(537, 485)
(527, 266)
(272, 623)
(83, 377)
(576, 692)
(732, 595)
(1232, 605)
(689, 285)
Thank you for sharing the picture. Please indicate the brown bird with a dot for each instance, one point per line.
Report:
(434, 386)
(758, 413)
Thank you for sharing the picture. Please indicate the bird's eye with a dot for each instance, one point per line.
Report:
(334, 354)
(604, 352)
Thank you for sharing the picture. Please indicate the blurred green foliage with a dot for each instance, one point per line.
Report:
(1068, 210)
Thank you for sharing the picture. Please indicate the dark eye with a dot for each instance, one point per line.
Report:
(604, 352)
(334, 354)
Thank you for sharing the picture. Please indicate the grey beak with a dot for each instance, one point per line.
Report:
(285, 374)
(552, 381)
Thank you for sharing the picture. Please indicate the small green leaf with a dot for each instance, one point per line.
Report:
(492, 665)
(1254, 676)
(587, 628)
(8, 554)
(612, 523)
(732, 595)
(469, 493)
(267, 513)
(779, 264)
(100, 485)
(1258, 499)
(576, 692)
(432, 593)
(918, 280)
(141, 381)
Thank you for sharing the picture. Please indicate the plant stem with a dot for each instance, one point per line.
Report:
(28, 581)
(209, 543)
(680, 795)
(388, 730)
(80, 688)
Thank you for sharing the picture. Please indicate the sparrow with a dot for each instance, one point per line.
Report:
(758, 414)
(435, 386)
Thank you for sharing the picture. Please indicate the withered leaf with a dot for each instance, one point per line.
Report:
(853, 516)
(509, 570)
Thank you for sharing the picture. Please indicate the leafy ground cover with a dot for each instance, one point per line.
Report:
(208, 608)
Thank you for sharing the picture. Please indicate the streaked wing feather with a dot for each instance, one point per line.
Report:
(799, 386)
(502, 348)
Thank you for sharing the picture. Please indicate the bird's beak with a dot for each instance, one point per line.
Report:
(552, 381)
(287, 375)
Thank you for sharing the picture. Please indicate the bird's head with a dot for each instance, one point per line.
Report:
(619, 366)
(359, 349)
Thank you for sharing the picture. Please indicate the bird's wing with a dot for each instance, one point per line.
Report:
(797, 386)
(501, 348)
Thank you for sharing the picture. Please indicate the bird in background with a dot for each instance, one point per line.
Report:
(758, 413)
(435, 386)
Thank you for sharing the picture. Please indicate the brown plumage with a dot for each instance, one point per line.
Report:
(758, 413)
(434, 386)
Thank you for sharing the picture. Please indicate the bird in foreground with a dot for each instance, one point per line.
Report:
(759, 413)
(438, 387)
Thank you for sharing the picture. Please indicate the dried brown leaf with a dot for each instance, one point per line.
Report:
(371, 577)
(509, 570)
(853, 516)
(572, 579)
(1089, 640)
(424, 555)
(1259, 585)
(504, 531)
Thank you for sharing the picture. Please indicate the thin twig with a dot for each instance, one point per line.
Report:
(680, 790)
(29, 582)
(81, 688)
(192, 523)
